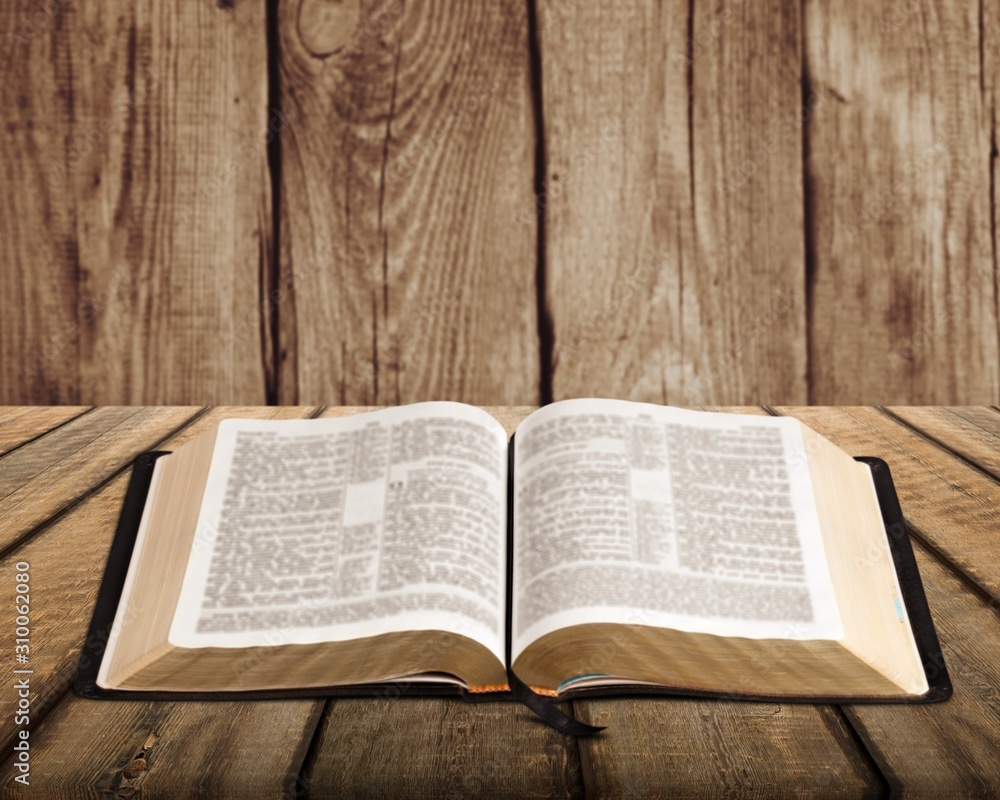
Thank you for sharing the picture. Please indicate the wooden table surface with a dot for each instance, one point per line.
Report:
(63, 474)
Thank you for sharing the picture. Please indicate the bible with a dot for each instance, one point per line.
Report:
(602, 547)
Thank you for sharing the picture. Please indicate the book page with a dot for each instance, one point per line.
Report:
(640, 514)
(341, 528)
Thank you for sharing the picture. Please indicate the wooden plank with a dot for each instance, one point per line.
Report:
(663, 277)
(52, 473)
(204, 751)
(201, 749)
(403, 278)
(22, 424)
(947, 750)
(38, 291)
(136, 221)
(903, 273)
(935, 489)
(434, 748)
(43, 453)
(706, 748)
(721, 748)
(973, 432)
(421, 748)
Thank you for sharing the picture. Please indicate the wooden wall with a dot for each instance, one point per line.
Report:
(355, 202)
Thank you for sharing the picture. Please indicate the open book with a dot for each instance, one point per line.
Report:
(608, 547)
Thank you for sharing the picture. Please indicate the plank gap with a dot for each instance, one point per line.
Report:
(691, 138)
(46, 432)
(878, 771)
(270, 277)
(919, 539)
(993, 155)
(311, 736)
(808, 212)
(938, 443)
(55, 517)
(546, 330)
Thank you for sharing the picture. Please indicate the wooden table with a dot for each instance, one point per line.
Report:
(63, 473)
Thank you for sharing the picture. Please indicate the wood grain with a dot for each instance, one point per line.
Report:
(135, 228)
(972, 432)
(38, 291)
(52, 473)
(409, 145)
(955, 508)
(440, 748)
(229, 751)
(20, 425)
(665, 136)
(902, 265)
(736, 202)
(203, 749)
(698, 748)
